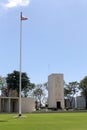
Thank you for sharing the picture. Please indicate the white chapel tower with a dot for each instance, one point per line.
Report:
(56, 91)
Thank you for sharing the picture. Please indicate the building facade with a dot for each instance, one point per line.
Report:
(11, 104)
(75, 103)
(56, 91)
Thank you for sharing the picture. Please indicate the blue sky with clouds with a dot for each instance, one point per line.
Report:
(54, 38)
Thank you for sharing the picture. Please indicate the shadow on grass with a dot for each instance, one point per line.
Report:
(3, 120)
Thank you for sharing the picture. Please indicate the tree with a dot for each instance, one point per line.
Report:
(70, 90)
(0, 82)
(37, 93)
(13, 82)
(83, 88)
(3, 86)
(40, 95)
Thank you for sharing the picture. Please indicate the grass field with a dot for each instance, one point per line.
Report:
(50, 121)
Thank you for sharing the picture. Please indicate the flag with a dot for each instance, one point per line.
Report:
(23, 17)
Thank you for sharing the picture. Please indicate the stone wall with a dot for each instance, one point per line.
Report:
(11, 104)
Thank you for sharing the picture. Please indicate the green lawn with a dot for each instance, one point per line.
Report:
(51, 121)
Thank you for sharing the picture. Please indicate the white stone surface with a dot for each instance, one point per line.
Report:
(11, 104)
(28, 105)
(55, 90)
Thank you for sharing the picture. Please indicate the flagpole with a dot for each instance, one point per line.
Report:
(20, 83)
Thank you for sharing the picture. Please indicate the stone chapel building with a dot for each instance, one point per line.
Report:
(56, 91)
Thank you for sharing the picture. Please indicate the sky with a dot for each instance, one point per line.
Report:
(54, 38)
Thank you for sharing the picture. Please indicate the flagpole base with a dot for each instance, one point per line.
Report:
(20, 115)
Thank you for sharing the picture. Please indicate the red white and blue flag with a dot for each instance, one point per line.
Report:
(23, 17)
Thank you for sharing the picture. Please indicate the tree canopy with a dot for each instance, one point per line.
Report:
(0, 82)
(70, 90)
(40, 95)
(83, 88)
(13, 82)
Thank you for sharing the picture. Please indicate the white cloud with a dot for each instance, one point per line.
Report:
(16, 3)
